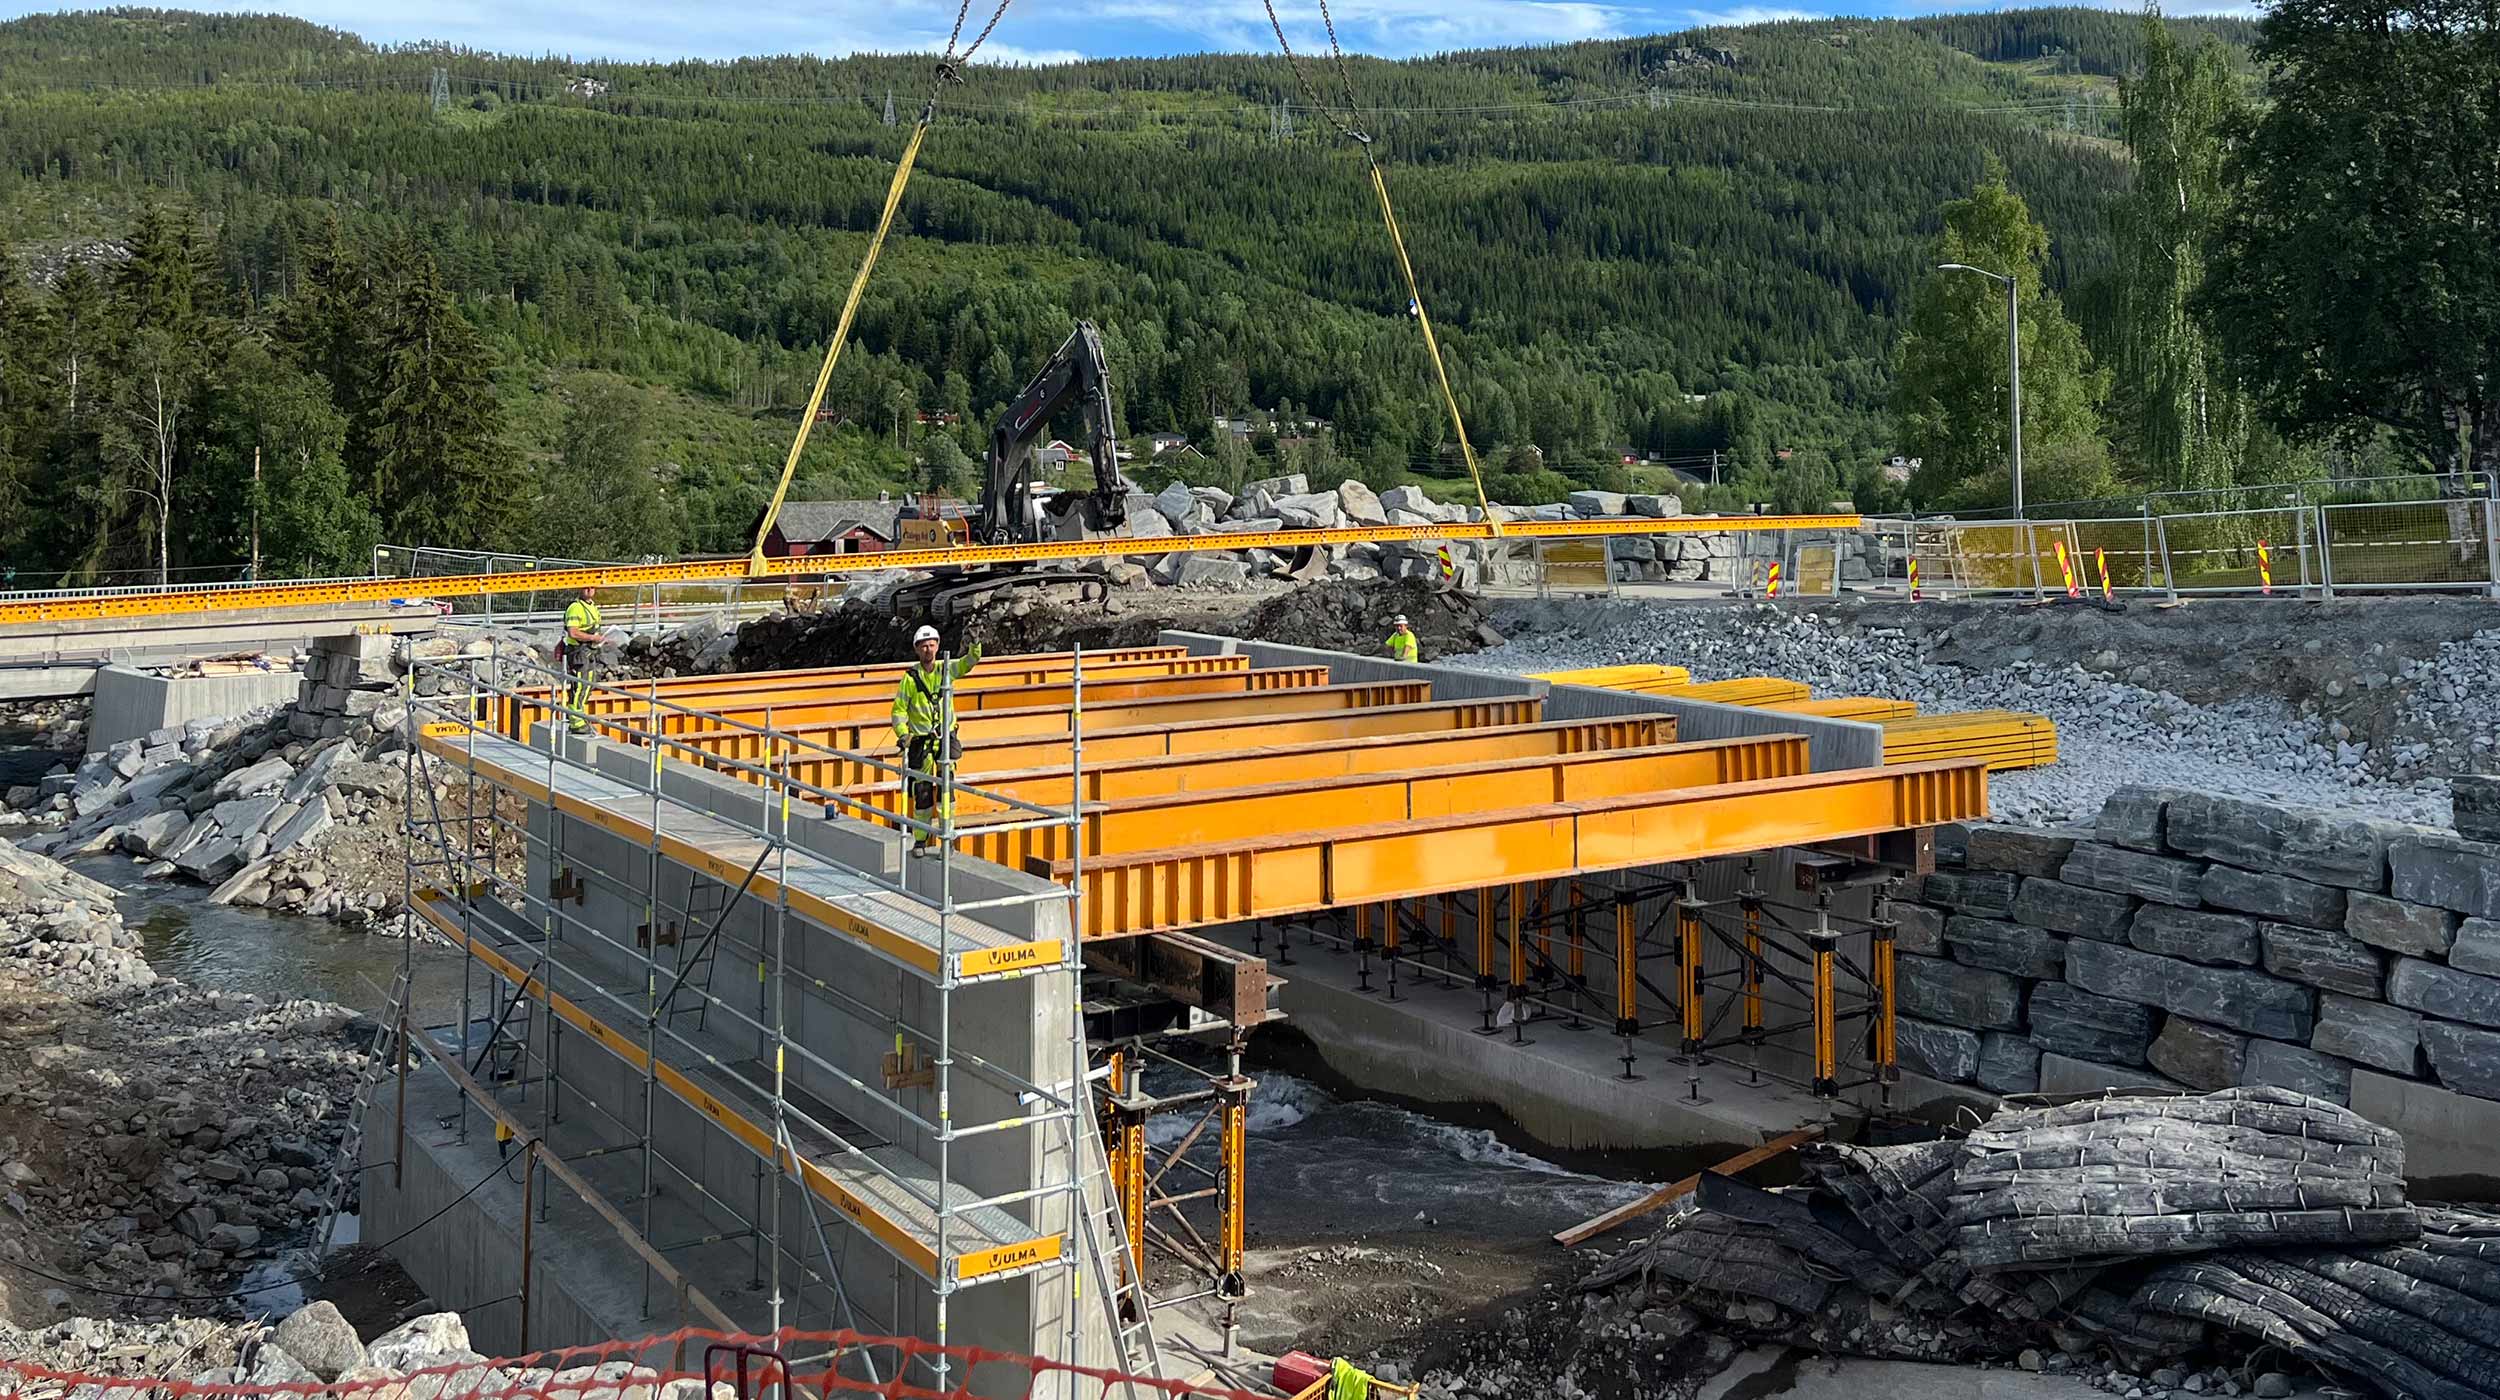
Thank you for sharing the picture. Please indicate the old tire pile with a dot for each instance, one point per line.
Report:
(2159, 1228)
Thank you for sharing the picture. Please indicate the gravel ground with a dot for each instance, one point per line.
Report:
(2111, 731)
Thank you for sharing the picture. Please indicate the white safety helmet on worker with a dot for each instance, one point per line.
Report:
(1398, 621)
(925, 634)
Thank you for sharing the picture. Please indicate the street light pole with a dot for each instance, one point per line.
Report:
(2013, 372)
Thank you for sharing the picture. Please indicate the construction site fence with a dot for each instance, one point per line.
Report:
(688, 1364)
(647, 605)
(2313, 552)
(2311, 491)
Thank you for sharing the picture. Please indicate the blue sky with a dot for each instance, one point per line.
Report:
(1035, 30)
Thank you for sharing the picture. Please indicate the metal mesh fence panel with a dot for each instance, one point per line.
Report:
(2411, 544)
(2244, 551)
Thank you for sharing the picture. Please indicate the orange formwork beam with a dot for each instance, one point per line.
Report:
(1201, 818)
(1294, 872)
(853, 683)
(1046, 663)
(834, 761)
(1155, 776)
(875, 707)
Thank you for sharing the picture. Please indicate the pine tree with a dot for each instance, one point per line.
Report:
(439, 465)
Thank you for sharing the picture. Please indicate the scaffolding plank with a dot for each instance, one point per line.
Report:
(820, 891)
(1294, 872)
(1164, 820)
(862, 1190)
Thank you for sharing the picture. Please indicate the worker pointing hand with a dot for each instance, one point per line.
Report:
(920, 728)
(583, 636)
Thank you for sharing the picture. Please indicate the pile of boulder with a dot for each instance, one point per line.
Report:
(316, 1350)
(162, 1140)
(294, 808)
(1288, 503)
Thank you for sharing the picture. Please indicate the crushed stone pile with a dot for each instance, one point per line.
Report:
(156, 1140)
(2146, 1244)
(2111, 731)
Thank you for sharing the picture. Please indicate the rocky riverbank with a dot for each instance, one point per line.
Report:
(158, 1142)
(249, 806)
(312, 1347)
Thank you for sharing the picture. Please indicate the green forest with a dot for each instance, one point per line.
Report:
(261, 271)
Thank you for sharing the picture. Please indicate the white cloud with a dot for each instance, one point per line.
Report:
(1392, 28)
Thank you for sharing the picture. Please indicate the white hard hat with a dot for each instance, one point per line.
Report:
(1399, 620)
(925, 634)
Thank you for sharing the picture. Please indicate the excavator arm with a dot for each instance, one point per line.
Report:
(1078, 372)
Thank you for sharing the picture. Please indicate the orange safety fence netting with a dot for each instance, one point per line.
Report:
(787, 1365)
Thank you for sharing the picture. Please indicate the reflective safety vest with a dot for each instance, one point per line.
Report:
(916, 699)
(580, 615)
(1402, 646)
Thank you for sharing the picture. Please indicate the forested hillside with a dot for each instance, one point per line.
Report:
(1678, 244)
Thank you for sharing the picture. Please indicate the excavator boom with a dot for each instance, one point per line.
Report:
(1011, 511)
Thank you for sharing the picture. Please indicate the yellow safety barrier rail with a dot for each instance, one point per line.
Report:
(313, 593)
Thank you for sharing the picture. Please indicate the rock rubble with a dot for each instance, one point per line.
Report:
(156, 1140)
(2111, 731)
(314, 1347)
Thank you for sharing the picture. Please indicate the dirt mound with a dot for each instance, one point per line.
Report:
(1337, 614)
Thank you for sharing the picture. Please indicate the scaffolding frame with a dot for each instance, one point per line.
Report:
(455, 880)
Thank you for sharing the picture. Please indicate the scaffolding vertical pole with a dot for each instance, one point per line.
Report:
(650, 980)
(1449, 937)
(778, 766)
(1079, 1096)
(944, 767)
(1233, 1204)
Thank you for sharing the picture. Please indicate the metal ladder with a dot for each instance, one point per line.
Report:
(1123, 1282)
(350, 1167)
(707, 903)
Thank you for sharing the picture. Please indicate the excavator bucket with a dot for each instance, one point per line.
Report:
(1305, 564)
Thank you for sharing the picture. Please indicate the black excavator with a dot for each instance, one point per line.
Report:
(1014, 510)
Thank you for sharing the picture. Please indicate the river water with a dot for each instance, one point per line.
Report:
(273, 956)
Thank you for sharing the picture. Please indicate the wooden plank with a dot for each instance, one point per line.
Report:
(1587, 1230)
